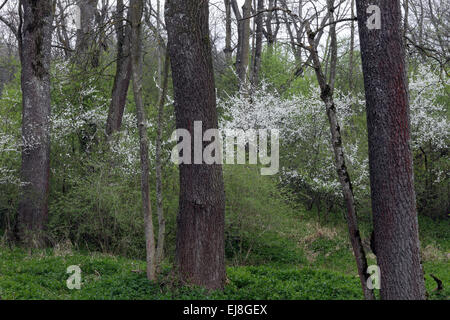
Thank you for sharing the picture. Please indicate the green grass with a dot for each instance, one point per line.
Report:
(301, 260)
(42, 275)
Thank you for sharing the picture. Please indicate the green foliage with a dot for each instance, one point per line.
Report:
(279, 70)
(257, 214)
(42, 275)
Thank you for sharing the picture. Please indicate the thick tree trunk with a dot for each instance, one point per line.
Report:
(136, 7)
(391, 170)
(200, 251)
(85, 34)
(35, 50)
(123, 72)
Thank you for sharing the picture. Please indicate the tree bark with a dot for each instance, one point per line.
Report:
(159, 191)
(391, 170)
(200, 252)
(85, 34)
(136, 8)
(228, 33)
(35, 36)
(123, 72)
(243, 54)
(258, 46)
(352, 45)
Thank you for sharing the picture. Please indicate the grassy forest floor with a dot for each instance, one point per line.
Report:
(307, 260)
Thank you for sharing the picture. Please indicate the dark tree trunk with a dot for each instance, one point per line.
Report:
(200, 252)
(35, 49)
(243, 52)
(228, 32)
(85, 43)
(123, 72)
(269, 30)
(391, 171)
(258, 47)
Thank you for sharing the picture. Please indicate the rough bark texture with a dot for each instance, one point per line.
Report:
(136, 9)
(85, 35)
(35, 49)
(123, 72)
(391, 171)
(339, 157)
(200, 252)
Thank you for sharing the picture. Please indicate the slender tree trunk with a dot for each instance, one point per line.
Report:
(391, 170)
(200, 252)
(123, 72)
(159, 192)
(269, 30)
(35, 35)
(352, 45)
(243, 53)
(136, 7)
(228, 32)
(327, 90)
(258, 47)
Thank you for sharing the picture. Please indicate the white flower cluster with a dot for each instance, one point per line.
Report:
(303, 127)
(429, 117)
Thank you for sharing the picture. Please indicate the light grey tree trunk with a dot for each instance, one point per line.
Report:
(159, 191)
(136, 7)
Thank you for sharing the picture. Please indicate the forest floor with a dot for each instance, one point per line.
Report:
(321, 266)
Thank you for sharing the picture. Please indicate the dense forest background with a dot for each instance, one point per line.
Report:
(264, 78)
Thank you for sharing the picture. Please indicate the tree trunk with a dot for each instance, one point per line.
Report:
(136, 7)
(327, 90)
(35, 49)
(85, 34)
(228, 33)
(391, 170)
(269, 30)
(159, 192)
(258, 47)
(200, 252)
(352, 45)
(123, 72)
(243, 53)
